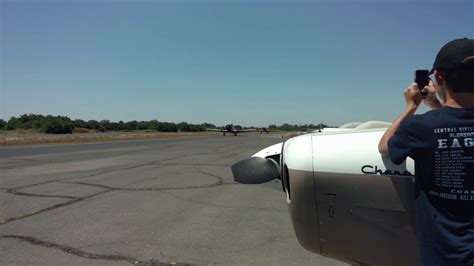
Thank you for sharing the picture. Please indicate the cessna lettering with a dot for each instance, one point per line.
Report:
(374, 170)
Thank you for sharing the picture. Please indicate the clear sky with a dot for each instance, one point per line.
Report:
(246, 62)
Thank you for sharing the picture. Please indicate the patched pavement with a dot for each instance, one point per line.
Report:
(143, 202)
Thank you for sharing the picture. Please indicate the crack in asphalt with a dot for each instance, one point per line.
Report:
(115, 170)
(72, 200)
(14, 191)
(63, 204)
(87, 255)
(85, 176)
(220, 181)
(107, 171)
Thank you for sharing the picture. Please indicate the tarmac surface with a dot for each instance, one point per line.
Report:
(145, 202)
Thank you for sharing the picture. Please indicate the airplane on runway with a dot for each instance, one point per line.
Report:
(345, 200)
(264, 129)
(231, 128)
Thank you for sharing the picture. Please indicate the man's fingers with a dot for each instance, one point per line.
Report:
(429, 88)
(425, 93)
(412, 89)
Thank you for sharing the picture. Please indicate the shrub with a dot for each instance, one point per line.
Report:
(142, 125)
(56, 125)
(121, 125)
(184, 127)
(131, 125)
(153, 124)
(106, 125)
(93, 124)
(79, 123)
(207, 125)
(167, 127)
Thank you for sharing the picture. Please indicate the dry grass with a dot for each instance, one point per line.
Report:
(13, 138)
(82, 130)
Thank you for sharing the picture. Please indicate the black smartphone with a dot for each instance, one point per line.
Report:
(422, 79)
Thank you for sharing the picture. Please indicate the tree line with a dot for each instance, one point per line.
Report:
(64, 125)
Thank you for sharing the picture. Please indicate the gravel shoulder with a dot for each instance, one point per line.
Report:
(22, 138)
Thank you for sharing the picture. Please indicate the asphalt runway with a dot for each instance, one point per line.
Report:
(143, 202)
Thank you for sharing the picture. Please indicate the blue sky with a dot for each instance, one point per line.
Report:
(246, 62)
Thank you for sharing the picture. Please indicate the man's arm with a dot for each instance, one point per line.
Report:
(413, 99)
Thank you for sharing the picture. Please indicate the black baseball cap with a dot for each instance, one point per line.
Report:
(457, 53)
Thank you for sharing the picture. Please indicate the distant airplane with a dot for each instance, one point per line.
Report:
(234, 129)
(264, 129)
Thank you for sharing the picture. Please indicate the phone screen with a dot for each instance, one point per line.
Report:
(422, 78)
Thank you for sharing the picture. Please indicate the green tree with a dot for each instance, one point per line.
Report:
(56, 125)
(13, 123)
(114, 126)
(3, 124)
(167, 127)
(121, 125)
(105, 125)
(153, 124)
(184, 127)
(199, 128)
(208, 125)
(93, 124)
(132, 125)
(79, 123)
(142, 125)
(28, 121)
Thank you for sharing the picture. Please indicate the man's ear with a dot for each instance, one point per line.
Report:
(439, 78)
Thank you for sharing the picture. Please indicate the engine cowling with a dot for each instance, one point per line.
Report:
(345, 200)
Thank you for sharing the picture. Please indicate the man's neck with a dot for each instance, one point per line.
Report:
(459, 100)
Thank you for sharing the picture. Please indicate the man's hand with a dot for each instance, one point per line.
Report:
(412, 96)
(430, 98)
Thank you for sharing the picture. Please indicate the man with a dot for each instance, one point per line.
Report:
(441, 142)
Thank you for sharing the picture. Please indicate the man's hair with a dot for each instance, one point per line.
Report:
(460, 79)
